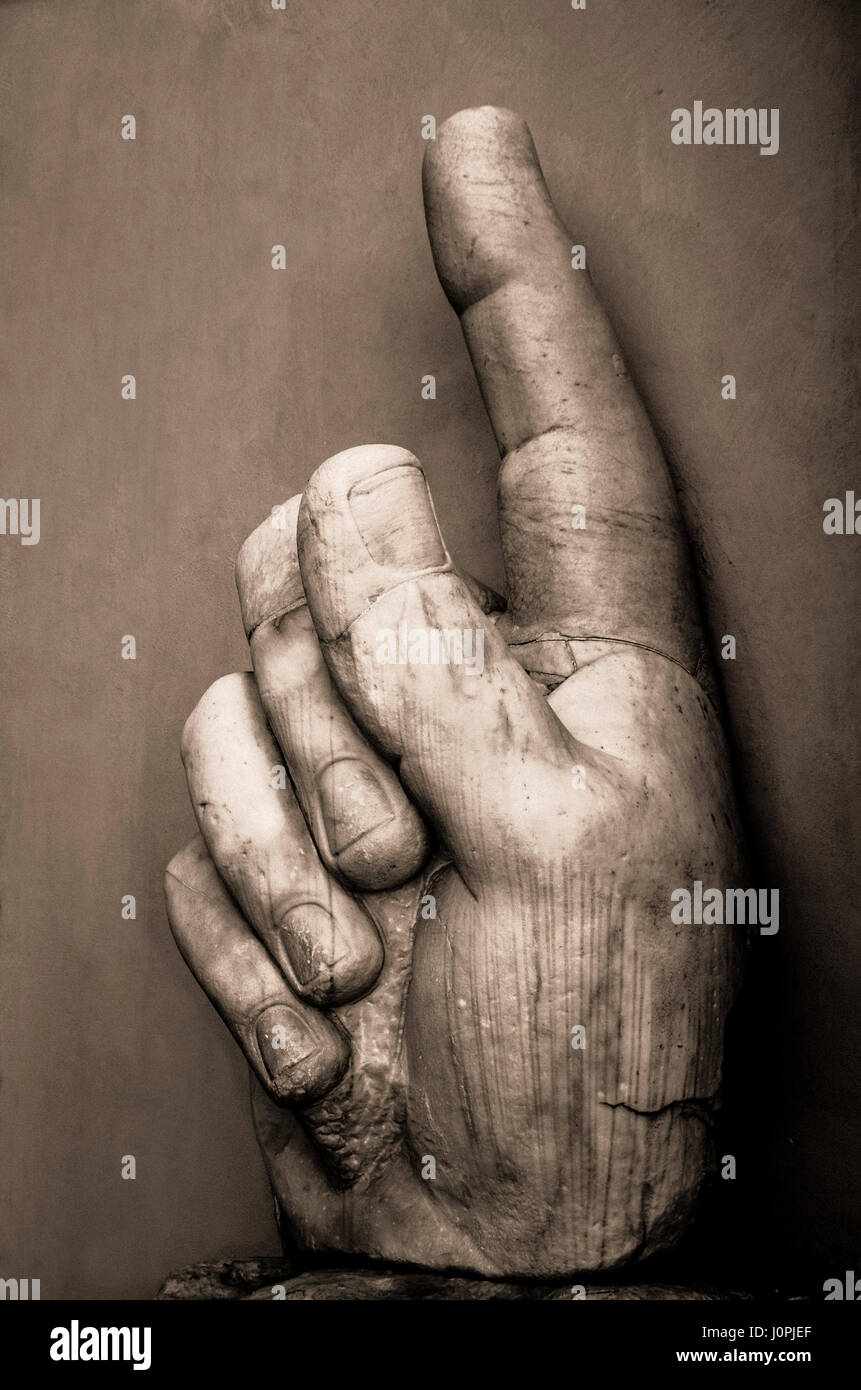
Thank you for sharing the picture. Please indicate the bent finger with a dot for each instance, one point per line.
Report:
(297, 1053)
(320, 937)
(364, 825)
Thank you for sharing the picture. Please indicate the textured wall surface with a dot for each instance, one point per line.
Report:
(152, 257)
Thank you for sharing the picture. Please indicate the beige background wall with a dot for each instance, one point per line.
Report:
(152, 258)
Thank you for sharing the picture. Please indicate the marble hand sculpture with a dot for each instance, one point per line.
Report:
(439, 834)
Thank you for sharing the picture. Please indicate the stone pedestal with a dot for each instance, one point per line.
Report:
(255, 1279)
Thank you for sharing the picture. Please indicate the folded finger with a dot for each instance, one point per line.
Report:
(320, 937)
(297, 1053)
(364, 825)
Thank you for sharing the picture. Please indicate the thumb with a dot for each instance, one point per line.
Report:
(422, 667)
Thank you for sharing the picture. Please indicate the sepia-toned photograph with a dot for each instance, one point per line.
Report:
(429, 556)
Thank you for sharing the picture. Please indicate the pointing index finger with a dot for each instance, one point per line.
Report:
(591, 534)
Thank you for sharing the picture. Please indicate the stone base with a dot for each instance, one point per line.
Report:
(254, 1280)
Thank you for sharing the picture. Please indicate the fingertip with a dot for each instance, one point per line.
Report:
(267, 567)
(187, 873)
(332, 957)
(366, 523)
(188, 867)
(235, 692)
(480, 128)
(303, 1057)
(486, 203)
(388, 855)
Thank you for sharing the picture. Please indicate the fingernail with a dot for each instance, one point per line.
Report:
(395, 518)
(305, 1055)
(312, 941)
(352, 801)
(284, 1039)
